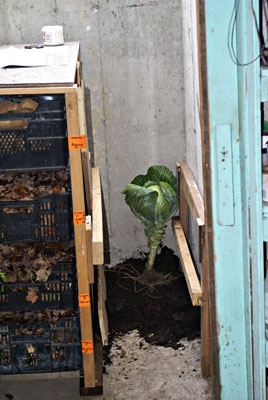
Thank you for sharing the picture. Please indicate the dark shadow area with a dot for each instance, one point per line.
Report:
(106, 240)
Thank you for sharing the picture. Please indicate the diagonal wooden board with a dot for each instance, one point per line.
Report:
(97, 229)
(92, 185)
(102, 295)
(81, 242)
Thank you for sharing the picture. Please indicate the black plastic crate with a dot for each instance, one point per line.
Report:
(43, 144)
(58, 292)
(40, 347)
(48, 219)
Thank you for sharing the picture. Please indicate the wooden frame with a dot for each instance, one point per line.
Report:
(191, 200)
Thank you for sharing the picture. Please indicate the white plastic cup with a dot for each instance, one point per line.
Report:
(53, 35)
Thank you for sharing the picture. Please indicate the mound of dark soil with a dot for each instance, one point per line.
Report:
(163, 316)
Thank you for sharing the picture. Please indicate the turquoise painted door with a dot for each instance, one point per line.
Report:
(234, 96)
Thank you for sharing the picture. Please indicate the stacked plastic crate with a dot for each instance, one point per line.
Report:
(36, 141)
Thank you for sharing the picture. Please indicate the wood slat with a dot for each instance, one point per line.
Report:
(97, 226)
(184, 209)
(86, 157)
(81, 109)
(200, 235)
(102, 295)
(78, 73)
(38, 90)
(191, 277)
(89, 249)
(87, 173)
(80, 238)
(191, 192)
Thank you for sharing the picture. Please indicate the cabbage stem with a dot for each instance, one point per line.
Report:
(151, 258)
(154, 235)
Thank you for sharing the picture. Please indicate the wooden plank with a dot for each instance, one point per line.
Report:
(80, 239)
(38, 90)
(192, 280)
(191, 192)
(33, 377)
(200, 235)
(102, 295)
(209, 345)
(98, 389)
(97, 226)
(99, 361)
(89, 249)
(81, 109)
(205, 319)
(86, 157)
(78, 73)
(44, 75)
(184, 209)
(87, 173)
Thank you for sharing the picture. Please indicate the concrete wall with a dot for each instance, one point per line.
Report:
(133, 66)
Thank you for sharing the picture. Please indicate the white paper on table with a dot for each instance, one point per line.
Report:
(33, 57)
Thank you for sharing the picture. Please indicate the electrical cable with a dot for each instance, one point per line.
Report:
(231, 29)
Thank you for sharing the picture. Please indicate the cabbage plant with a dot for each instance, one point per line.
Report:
(153, 199)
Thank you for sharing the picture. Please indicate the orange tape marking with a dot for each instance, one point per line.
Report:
(77, 142)
(79, 217)
(87, 347)
(84, 300)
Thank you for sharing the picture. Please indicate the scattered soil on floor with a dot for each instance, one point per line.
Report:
(163, 316)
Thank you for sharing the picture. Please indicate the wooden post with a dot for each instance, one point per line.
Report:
(76, 143)
(208, 261)
(183, 207)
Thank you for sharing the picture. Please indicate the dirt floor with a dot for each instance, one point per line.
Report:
(154, 350)
(141, 371)
(155, 346)
(162, 315)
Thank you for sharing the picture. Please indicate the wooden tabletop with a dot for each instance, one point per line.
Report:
(61, 70)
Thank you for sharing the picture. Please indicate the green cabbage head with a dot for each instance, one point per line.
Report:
(153, 199)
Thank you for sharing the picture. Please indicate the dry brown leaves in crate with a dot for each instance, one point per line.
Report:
(32, 185)
(32, 295)
(33, 262)
(23, 317)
